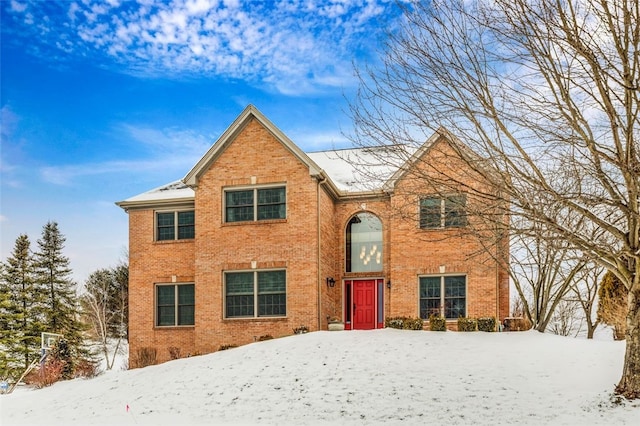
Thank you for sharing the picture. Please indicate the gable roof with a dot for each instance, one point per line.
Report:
(347, 172)
(423, 150)
(229, 135)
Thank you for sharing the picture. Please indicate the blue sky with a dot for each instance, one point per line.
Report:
(102, 100)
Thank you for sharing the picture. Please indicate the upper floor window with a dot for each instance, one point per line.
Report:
(255, 294)
(178, 225)
(364, 243)
(255, 204)
(175, 304)
(444, 296)
(443, 212)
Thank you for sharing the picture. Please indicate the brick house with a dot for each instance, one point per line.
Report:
(260, 238)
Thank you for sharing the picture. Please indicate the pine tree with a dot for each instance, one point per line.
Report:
(612, 304)
(20, 309)
(61, 311)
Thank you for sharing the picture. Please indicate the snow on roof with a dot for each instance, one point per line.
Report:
(362, 169)
(176, 190)
(351, 170)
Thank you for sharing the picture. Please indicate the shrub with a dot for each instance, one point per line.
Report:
(467, 324)
(437, 323)
(396, 322)
(174, 352)
(225, 347)
(301, 330)
(145, 356)
(516, 324)
(265, 337)
(47, 374)
(404, 323)
(87, 369)
(487, 324)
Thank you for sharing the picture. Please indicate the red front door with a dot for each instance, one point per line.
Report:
(364, 305)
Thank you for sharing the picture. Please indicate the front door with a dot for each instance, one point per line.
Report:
(364, 304)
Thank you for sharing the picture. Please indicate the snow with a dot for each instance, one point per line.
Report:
(171, 191)
(347, 167)
(354, 377)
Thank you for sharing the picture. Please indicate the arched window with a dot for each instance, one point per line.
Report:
(364, 243)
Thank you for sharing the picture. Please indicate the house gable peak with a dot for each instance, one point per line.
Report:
(248, 114)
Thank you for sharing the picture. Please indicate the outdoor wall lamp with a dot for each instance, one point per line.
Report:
(389, 284)
(330, 282)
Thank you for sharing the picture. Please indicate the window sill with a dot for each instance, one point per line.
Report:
(444, 228)
(255, 319)
(174, 327)
(183, 241)
(254, 222)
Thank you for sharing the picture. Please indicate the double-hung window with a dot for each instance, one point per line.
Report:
(178, 225)
(443, 212)
(255, 204)
(443, 296)
(175, 304)
(255, 294)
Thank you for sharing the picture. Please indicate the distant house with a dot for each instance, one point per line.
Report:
(260, 238)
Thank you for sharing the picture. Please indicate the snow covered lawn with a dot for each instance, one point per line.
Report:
(357, 377)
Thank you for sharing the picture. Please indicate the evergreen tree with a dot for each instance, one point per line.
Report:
(120, 300)
(612, 304)
(20, 309)
(61, 310)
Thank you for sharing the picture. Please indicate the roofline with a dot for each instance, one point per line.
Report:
(390, 184)
(250, 112)
(441, 132)
(145, 204)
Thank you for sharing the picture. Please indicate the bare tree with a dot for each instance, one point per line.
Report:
(543, 273)
(584, 292)
(567, 319)
(104, 305)
(547, 93)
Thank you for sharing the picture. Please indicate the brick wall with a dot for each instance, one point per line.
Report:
(256, 158)
(462, 251)
(150, 263)
(309, 244)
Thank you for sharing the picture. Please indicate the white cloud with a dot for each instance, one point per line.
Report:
(17, 6)
(293, 46)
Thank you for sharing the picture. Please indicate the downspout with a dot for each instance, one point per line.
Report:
(498, 322)
(319, 278)
(499, 242)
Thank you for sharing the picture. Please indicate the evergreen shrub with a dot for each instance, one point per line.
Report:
(487, 324)
(404, 323)
(467, 324)
(437, 323)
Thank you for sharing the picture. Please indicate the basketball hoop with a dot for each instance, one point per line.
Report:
(48, 340)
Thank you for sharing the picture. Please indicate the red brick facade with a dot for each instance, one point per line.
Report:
(308, 244)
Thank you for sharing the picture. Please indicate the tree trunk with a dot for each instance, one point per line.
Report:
(629, 385)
